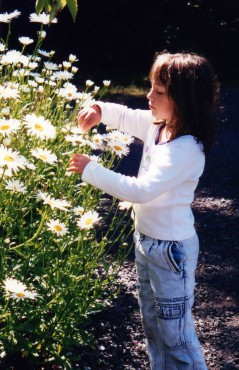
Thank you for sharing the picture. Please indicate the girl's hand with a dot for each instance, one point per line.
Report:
(78, 163)
(89, 117)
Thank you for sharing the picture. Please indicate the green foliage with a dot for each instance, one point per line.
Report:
(58, 235)
(53, 7)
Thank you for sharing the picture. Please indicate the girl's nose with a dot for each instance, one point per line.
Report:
(150, 95)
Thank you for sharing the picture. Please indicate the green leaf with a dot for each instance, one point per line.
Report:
(40, 5)
(73, 7)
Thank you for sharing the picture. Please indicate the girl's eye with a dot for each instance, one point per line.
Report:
(160, 92)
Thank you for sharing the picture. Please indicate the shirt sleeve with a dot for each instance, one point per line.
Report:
(133, 121)
(168, 170)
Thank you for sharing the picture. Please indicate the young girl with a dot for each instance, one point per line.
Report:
(177, 133)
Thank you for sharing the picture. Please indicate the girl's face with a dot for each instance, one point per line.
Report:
(160, 103)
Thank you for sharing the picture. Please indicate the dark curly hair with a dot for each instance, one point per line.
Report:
(191, 83)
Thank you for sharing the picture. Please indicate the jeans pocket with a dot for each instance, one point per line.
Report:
(175, 256)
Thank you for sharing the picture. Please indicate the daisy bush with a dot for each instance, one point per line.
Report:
(58, 235)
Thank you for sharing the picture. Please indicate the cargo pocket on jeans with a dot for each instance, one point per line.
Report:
(170, 314)
(175, 256)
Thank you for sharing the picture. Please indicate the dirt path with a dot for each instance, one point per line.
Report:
(121, 342)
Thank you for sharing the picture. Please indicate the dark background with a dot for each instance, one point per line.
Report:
(117, 39)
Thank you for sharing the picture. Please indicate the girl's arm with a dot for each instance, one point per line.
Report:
(172, 167)
(133, 121)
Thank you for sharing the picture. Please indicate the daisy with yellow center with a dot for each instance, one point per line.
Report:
(11, 160)
(97, 139)
(88, 220)
(17, 290)
(127, 139)
(78, 210)
(118, 148)
(57, 227)
(116, 135)
(44, 155)
(8, 126)
(39, 126)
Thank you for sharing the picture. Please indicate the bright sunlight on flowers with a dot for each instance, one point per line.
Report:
(53, 238)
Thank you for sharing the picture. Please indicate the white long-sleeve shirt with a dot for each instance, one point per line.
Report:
(168, 175)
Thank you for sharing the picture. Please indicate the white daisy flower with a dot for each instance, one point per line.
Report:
(97, 139)
(21, 72)
(51, 66)
(73, 58)
(7, 17)
(41, 18)
(16, 186)
(57, 227)
(6, 172)
(68, 92)
(12, 285)
(25, 40)
(11, 159)
(78, 210)
(125, 205)
(39, 126)
(32, 83)
(74, 70)
(75, 140)
(8, 92)
(118, 148)
(17, 290)
(76, 130)
(127, 139)
(44, 53)
(2, 47)
(89, 83)
(33, 65)
(96, 89)
(14, 57)
(39, 80)
(8, 126)
(88, 220)
(24, 294)
(66, 65)
(116, 135)
(30, 166)
(62, 75)
(106, 83)
(35, 74)
(52, 202)
(44, 155)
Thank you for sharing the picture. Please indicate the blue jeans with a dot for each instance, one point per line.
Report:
(166, 279)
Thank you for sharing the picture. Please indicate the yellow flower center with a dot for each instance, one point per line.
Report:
(58, 228)
(5, 127)
(21, 295)
(39, 127)
(89, 221)
(43, 157)
(8, 158)
(117, 148)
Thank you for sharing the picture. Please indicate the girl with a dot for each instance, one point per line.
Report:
(177, 133)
